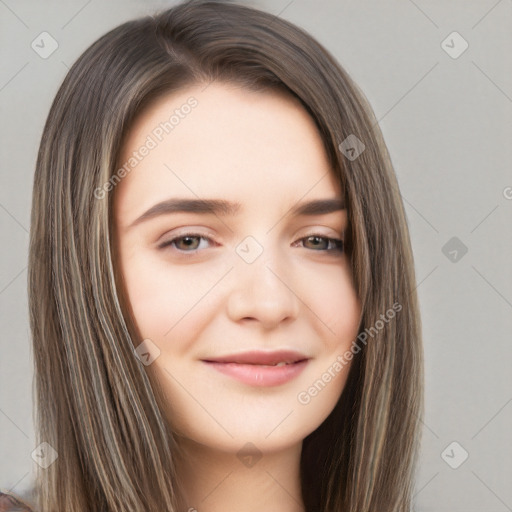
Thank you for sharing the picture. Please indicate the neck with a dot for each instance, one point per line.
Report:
(216, 481)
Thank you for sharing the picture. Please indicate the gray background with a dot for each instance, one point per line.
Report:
(447, 125)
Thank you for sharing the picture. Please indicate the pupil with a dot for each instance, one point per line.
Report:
(188, 240)
(316, 239)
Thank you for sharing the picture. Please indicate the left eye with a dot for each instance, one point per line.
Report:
(188, 243)
(334, 244)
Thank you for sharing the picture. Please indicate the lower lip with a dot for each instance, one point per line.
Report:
(259, 375)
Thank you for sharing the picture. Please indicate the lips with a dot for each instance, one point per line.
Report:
(260, 368)
(279, 357)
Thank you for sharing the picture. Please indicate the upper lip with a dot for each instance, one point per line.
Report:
(259, 357)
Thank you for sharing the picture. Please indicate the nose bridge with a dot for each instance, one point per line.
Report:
(261, 284)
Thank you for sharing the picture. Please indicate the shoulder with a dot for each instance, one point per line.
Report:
(10, 503)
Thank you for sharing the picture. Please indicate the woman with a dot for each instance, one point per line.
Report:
(259, 370)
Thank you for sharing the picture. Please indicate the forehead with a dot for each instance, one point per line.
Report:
(222, 140)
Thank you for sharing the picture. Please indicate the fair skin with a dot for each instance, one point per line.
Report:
(197, 298)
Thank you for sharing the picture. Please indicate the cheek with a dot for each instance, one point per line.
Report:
(165, 301)
(175, 307)
(333, 301)
(337, 309)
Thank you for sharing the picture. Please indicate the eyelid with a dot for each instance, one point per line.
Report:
(323, 230)
(184, 231)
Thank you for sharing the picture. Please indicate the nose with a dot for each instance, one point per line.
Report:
(263, 292)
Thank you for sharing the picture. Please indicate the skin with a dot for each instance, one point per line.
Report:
(263, 150)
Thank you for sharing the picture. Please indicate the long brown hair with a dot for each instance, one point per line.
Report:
(97, 406)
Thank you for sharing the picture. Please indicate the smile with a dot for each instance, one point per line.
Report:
(261, 368)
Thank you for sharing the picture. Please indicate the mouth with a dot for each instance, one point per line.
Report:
(275, 358)
(261, 368)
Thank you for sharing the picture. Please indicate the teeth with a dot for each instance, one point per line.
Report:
(281, 364)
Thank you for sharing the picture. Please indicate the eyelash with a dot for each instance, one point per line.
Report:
(337, 241)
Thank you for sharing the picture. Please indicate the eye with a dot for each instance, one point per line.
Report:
(191, 243)
(187, 243)
(318, 242)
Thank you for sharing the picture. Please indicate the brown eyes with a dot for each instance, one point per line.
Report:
(333, 244)
(190, 243)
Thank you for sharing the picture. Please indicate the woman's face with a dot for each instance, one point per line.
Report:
(251, 280)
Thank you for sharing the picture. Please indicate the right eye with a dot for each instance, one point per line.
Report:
(187, 243)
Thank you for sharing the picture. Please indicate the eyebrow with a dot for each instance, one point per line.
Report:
(225, 208)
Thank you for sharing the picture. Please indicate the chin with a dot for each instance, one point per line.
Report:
(268, 428)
